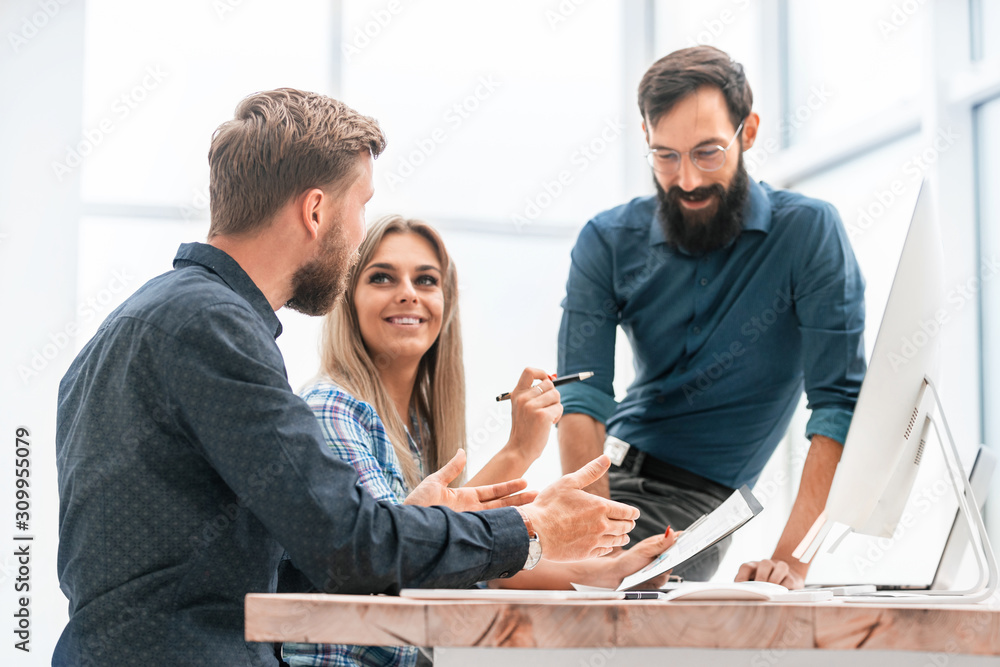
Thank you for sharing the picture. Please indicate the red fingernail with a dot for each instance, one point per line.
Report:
(667, 532)
(552, 376)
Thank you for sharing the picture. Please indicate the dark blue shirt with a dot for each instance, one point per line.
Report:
(187, 464)
(723, 343)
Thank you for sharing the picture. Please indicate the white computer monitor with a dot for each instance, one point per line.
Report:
(883, 445)
(895, 414)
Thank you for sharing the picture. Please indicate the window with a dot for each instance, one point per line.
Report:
(159, 78)
(850, 65)
(988, 131)
(985, 22)
(501, 117)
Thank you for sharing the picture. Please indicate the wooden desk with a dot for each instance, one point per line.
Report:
(600, 633)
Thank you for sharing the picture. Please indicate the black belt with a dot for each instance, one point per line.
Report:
(640, 464)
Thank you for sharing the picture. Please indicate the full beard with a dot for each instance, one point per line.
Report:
(702, 231)
(318, 284)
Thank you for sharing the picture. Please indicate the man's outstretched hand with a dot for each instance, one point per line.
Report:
(573, 524)
(434, 490)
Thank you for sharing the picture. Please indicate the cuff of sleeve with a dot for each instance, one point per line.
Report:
(580, 398)
(510, 543)
(830, 422)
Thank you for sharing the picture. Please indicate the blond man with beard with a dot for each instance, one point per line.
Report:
(186, 463)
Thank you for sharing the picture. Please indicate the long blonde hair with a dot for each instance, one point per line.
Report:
(439, 391)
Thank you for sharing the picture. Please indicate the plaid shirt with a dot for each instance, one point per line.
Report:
(355, 433)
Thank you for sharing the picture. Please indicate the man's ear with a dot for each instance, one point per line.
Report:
(750, 127)
(310, 211)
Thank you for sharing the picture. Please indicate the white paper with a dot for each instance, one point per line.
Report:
(508, 594)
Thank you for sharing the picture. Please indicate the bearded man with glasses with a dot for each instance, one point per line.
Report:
(735, 297)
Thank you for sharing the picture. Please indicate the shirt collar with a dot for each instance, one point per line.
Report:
(757, 209)
(756, 215)
(227, 268)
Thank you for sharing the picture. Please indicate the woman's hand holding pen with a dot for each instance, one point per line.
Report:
(534, 409)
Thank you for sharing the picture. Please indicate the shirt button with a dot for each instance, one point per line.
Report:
(696, 330)
(703, 281)
(504, 575)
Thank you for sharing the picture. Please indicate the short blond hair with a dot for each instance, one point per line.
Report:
(279, 144)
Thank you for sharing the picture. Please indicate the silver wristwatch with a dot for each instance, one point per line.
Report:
(534, 546)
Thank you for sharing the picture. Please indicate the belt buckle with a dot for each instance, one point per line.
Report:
(616, 449)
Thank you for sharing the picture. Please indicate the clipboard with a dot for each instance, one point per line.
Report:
(706, 531)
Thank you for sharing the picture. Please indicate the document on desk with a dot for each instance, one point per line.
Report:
(700, 535)
(513, 595)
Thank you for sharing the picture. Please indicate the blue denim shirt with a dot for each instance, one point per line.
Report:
(186, 464)
(722, 344)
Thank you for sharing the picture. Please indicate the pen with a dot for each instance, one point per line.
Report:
(575, 377)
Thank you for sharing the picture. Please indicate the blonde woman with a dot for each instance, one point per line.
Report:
(391, 402)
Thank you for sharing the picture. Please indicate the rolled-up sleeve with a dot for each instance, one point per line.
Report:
(235, 405)
(588, 327)
(829, 303)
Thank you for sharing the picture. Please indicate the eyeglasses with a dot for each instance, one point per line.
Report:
(706, 158)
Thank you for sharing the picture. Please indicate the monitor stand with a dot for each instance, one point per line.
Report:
(986, 586)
